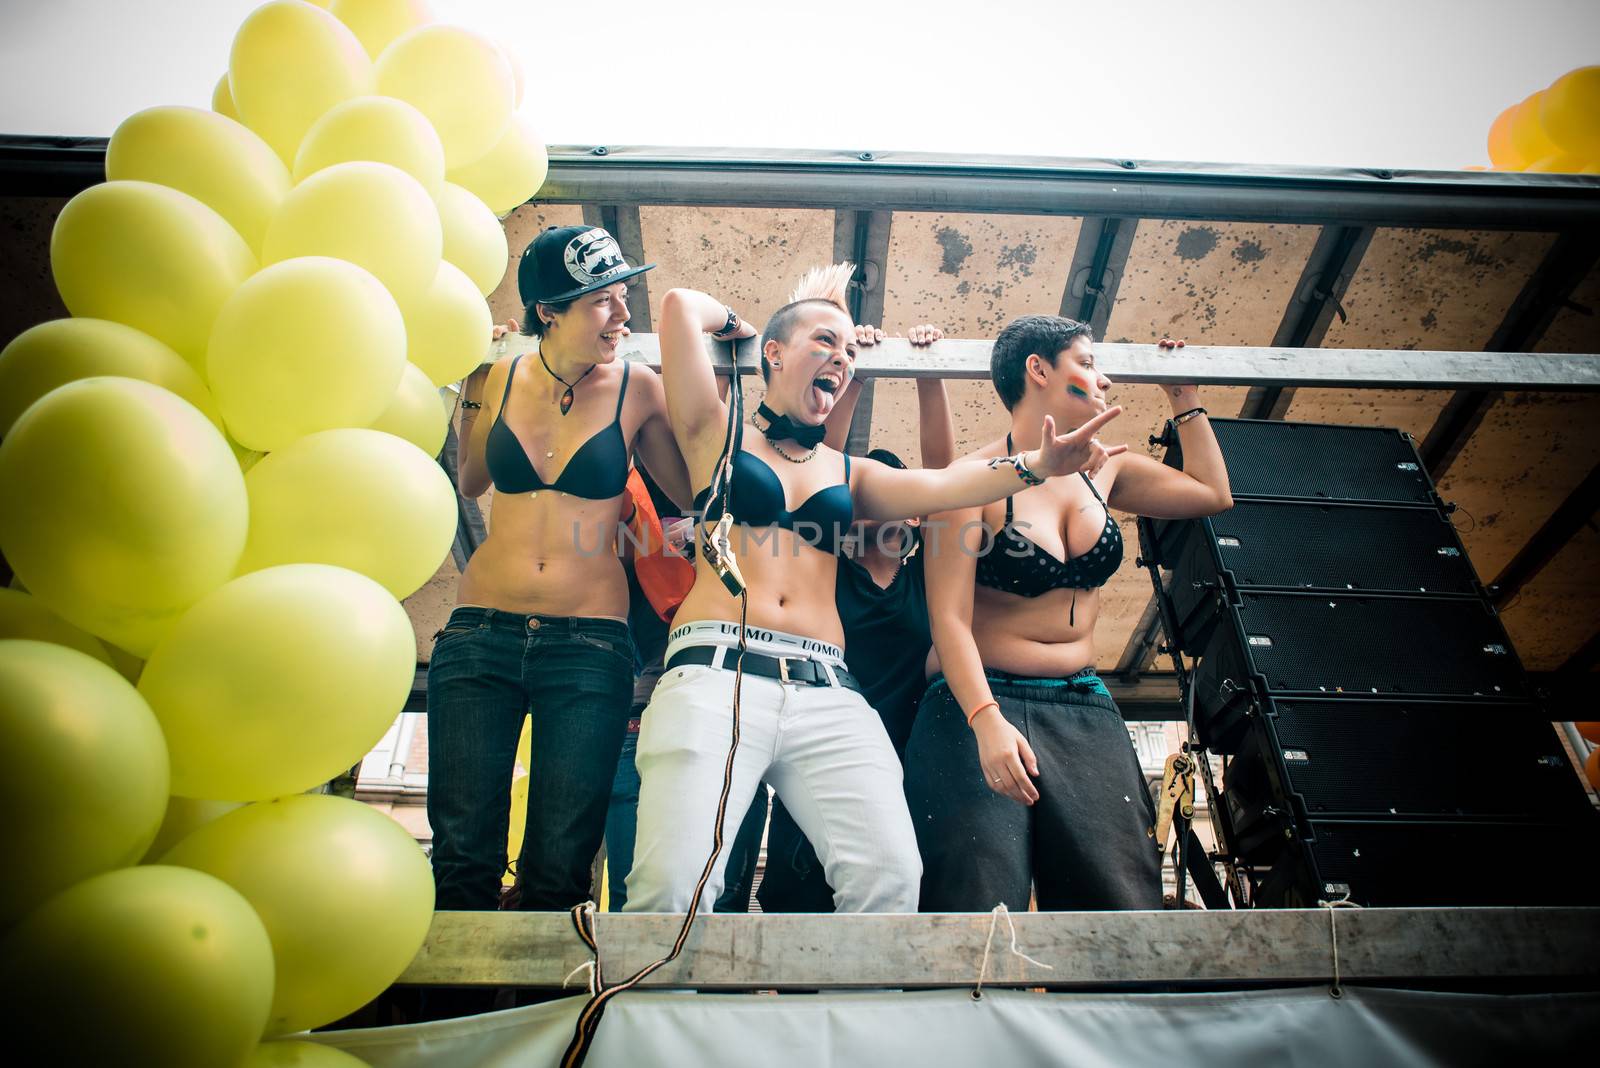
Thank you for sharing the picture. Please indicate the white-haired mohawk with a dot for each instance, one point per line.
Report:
(831, 284)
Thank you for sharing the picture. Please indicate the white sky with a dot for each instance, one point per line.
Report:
(1390, 83)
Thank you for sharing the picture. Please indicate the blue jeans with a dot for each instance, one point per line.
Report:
(490, 669)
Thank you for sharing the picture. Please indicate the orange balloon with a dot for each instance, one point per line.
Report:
(1560, 163)
(1528, 138)
(1570, 111)
(1590, 730)
(1501, 153)
(1591, 768)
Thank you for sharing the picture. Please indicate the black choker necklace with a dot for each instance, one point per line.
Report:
(566, 398)
(782, 428)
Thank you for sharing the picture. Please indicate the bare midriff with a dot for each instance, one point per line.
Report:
(549, 553)
(790, 585)
(1031, 635)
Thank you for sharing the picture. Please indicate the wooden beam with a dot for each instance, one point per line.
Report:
(1084, 949)
(862, 238)
(959, 358)
(1571, 258)
(1579, 508)
(470, 527)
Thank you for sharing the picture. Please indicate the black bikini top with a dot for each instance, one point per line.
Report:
(1015, 564)
(597, 471)
(822, 521)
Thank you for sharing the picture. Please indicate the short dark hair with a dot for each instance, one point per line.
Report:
(532, 325)
(1045, 335)
(887, 458)
(782, 324)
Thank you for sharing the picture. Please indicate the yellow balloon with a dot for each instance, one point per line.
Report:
(459, 79)
(1570, 112)
(209, 156)
(123, 507)
(373, 214)
(474, 240)
(295, 1054)
(377, 128)
(148, 256)
(516, 827)
(447, 330)
(149, 965)
(306, 345)
(290, 63)
(279, 680)
(22, 616)
(345, 892)
(381, 483)
(183, 816)
(519, 80)
(64, 350)
(510, 174)
(86, 771)
(377, 22)
(127, 665)
(222, 99)
(1529, 142)
(416, 413)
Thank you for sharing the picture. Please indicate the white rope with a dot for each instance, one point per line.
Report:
(586, 965)
(983, 969)
(592, 964)
(1333, 907)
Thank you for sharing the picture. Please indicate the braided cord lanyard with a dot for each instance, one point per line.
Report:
(583, 915)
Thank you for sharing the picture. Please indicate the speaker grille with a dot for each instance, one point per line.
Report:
(1274, 459)
(1315, 643)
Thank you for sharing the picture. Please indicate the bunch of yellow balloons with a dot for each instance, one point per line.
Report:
(220, 479)
(1556, 130)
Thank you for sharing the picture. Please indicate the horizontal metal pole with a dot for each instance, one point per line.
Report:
(957, 358)
(920, 181)
(1082, 948)
(908, 181)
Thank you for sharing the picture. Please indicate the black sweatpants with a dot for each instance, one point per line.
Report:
(1085, 844)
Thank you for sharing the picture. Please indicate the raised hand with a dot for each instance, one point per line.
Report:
(1079, 450)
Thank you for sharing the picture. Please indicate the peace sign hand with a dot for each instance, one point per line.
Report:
(1079, 450)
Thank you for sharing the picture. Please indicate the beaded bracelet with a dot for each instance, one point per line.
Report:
(470, 405)
(1179, 420)
(1019, 465)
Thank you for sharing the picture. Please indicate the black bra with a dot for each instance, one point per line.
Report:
(1015, 564)
(597, 471)
(758, 500)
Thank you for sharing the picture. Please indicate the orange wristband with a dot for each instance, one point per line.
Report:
(987, 704)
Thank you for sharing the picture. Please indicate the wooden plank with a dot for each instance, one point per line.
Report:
(1082, 948)
(961, 358)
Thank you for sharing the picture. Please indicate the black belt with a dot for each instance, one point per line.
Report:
(799, 669)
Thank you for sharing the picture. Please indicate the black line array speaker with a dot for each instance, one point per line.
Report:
(1382, 740)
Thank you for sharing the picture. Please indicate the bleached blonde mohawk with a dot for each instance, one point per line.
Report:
(831, 284)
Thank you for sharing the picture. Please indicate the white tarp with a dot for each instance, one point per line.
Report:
(1304, 1026)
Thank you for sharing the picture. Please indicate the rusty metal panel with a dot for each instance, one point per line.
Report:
(1555, 614)
(749, 258)
(522, 226)
(970, 274)
(1529, 453)
(1422, 289)
(1212, 283)
(1576, 327)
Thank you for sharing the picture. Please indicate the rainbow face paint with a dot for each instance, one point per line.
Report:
(1080, 382)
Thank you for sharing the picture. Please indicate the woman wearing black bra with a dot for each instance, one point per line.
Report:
(805, 727)
(1021, 773)
(541, 624)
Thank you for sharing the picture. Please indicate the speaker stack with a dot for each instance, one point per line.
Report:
(1381, 740)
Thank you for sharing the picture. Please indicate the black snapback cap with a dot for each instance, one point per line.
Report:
(568, 261)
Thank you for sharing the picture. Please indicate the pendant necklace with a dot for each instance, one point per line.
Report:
(566, 398)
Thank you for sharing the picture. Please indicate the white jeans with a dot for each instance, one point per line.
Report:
(823, 750)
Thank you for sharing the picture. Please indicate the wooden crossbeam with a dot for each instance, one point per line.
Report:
(960, 358)
(1084, 949)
